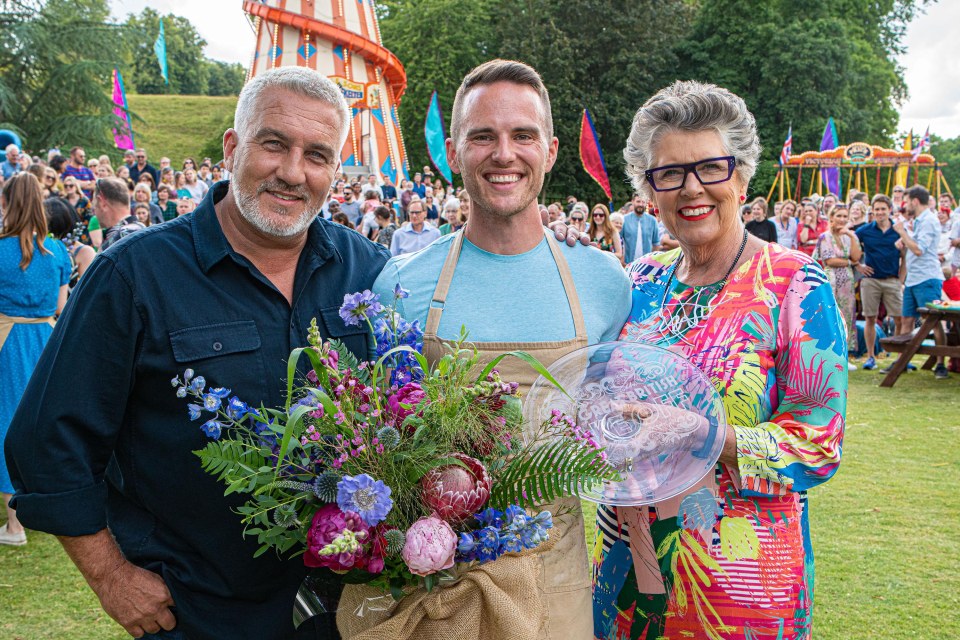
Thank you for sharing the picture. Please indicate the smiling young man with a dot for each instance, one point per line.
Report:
(511, 284)
(101, 450)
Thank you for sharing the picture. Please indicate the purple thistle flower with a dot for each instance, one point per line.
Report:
(360, 306)
(365, 496)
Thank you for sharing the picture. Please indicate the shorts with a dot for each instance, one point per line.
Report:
(873, 291)
(919, 295)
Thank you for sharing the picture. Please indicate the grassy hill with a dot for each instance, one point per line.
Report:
(179, 126)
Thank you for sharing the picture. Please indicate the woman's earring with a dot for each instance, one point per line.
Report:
(743, 198)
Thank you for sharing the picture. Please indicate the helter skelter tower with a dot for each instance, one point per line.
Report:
(341, 39)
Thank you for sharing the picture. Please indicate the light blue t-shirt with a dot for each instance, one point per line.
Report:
(926, 266)
(518, 298)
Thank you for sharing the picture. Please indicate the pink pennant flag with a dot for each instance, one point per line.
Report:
(122, 131)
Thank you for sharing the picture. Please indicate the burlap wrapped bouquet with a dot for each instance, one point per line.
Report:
(491, 601)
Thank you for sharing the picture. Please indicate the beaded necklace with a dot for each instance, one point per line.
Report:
(691, 311)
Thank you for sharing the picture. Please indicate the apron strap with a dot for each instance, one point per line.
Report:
(443, 285)
(573, 299)
(7, 322)
(435, 311)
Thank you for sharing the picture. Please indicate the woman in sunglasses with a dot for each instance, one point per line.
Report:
(602, 232)
(578, 214)
(81, 204)
(729, 557)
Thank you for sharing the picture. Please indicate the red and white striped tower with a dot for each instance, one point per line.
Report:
(341, 39)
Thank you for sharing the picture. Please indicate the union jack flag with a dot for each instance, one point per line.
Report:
(787, 147)
(923, 144)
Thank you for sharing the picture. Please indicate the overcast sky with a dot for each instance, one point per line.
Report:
(932, 62)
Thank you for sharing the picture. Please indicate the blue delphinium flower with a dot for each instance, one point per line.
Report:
(194, 411)
(358, 307)
(237, 409)
(220, 392)
(211, 402)
(513, 511)
(490, 517)
(197, 384)
(368, 498)
(211, 428)
(399, 292)
(488, 549)
(182, 392)
(467, 547)
(510, 542)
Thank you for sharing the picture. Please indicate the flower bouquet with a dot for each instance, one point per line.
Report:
(401, 476)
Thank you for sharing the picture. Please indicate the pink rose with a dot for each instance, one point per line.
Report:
(409, 394)
(430, 546)
(328, 523)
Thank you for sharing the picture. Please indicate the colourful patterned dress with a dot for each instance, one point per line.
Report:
(731, 557)
(841, 279)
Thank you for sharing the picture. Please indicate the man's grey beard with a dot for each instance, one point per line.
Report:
(249, 207)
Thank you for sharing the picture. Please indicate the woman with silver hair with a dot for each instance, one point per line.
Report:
(731, 556)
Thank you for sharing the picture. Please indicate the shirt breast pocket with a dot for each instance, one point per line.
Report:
(227, 354)
(353, 337)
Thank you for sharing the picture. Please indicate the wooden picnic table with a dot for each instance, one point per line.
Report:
(909, 348)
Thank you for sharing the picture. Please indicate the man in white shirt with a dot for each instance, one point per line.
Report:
(416, 235)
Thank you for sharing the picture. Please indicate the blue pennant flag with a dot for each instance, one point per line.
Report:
(436, 139)
(160, 48)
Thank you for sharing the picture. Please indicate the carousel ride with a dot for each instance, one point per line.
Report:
(340, 39)
(861, 166)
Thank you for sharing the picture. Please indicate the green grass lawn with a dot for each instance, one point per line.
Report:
(885, 531)
(178, 126)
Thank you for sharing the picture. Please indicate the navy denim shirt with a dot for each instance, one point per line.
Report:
(101, 438)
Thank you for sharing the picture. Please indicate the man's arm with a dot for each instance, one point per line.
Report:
(64, 433)
(136, 598)
(910, 243)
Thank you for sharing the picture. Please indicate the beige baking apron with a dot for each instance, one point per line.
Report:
(7, 323)
(564, 579)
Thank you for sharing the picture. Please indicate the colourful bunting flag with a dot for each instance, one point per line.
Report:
(922, 145)
(122, 131)
(787, 150)
(160, 48)
(591, 156)
(437, 138)
(830, 140)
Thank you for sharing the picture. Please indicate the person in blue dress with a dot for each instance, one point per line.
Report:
(34, 272)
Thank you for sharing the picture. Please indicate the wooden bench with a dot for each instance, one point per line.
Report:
(914, 346)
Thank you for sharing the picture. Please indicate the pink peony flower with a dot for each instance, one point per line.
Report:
(430, 546)
(409, 394)
(328, 523)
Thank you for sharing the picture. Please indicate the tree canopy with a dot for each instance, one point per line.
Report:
(793, 63)
(56, 63)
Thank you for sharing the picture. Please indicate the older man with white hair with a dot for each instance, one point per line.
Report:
(11, 165)
(105, 461)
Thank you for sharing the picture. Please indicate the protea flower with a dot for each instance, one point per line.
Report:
(455, 492)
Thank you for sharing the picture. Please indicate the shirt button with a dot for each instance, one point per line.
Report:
(217, 346)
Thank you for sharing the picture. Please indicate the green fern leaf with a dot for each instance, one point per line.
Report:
(558, 469)
(349, 361)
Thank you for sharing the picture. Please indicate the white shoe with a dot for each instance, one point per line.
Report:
(851, 366)
(14, 539)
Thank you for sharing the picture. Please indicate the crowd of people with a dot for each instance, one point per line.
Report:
(250, 246)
